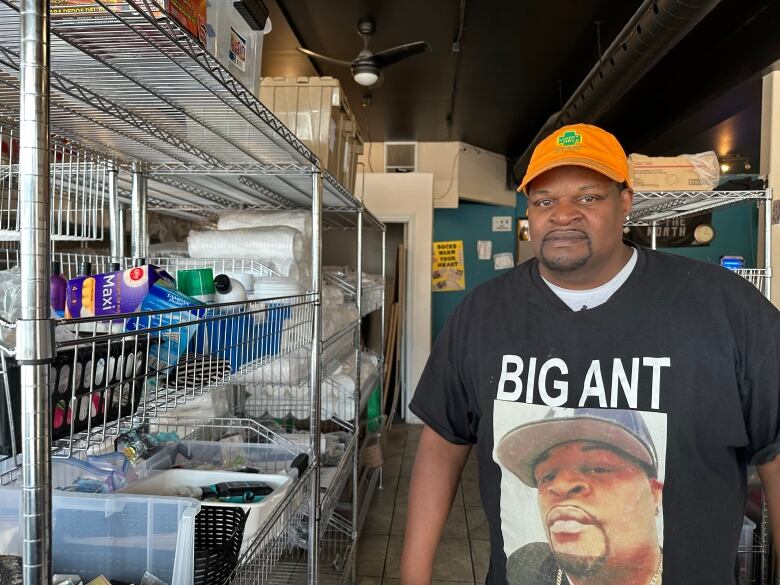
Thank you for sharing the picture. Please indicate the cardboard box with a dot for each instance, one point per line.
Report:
(191, 14)
(112, 293)
(697, 172)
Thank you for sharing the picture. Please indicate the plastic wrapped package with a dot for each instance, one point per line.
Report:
(168, 250)
(280, 248)
(686, 172)
(290, 370)
(270, 287)
(10, 302)
(251, 218)
(332, 295)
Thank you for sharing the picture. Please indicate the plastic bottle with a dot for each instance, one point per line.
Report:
(228, 290)
(57, 287)
(198, 284)
(85, 268)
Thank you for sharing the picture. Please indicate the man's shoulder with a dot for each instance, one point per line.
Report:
(507, 283)
(532, 564)
(698, 274)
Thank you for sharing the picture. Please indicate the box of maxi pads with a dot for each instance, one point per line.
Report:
(171, 331)
(113, 293)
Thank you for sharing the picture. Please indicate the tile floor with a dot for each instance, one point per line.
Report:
(463, 554)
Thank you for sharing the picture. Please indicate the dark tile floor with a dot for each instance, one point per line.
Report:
(464, 550)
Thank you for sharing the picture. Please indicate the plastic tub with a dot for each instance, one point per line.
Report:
(267, 458)
(167, 483)
(119, 536)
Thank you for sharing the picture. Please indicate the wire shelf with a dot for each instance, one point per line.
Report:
(78, 182)
(659, 206)
(109, 369)
(164, 100)
(283, 537)
(334, 479)
(755, 276)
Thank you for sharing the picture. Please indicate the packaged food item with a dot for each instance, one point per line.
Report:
(113, 293)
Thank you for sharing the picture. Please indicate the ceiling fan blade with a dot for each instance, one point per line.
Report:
(390, 56)
(325, 58)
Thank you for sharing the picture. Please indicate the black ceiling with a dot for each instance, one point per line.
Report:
(519, 60)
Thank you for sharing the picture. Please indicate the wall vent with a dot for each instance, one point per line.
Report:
(400, 157)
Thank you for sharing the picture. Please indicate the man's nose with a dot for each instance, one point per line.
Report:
(565, 212)
(568, 483)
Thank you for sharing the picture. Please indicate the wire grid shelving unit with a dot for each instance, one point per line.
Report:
(651, 209)
(141, 115)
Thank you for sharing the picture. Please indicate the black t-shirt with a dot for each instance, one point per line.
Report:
(616, 436)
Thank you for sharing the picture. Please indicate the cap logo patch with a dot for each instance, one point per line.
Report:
(569, 139)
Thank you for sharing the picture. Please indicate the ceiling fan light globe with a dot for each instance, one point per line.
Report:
(365, 78)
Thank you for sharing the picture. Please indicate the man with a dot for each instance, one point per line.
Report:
(596, 472)
(595, 322)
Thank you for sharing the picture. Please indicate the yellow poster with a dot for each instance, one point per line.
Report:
(449, 272)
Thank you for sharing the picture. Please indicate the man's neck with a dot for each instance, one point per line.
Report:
(589, 276)
(635, 572)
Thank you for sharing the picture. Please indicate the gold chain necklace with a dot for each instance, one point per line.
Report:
(654, 581)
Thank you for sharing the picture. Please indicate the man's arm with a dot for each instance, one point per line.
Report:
(770, 479)
(434, 483)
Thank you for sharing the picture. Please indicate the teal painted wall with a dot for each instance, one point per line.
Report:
(470, 222)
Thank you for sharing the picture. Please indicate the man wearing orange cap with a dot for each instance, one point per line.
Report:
(594, 322)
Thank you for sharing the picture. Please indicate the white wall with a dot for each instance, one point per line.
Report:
(460, 171)
(408, 198)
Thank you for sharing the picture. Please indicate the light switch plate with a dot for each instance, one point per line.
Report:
(502, 223)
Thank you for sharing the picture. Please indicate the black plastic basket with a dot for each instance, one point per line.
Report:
(219, 531)
(108, 378)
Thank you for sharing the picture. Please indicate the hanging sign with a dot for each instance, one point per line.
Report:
(677, 232)
(448, 270)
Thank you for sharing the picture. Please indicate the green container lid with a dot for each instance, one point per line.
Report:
(196, 282)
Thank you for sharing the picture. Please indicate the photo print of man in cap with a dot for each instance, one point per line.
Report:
(595, 474)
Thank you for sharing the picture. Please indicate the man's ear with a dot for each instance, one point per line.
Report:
(626, 200)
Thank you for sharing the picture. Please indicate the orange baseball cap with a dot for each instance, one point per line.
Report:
(581, 145)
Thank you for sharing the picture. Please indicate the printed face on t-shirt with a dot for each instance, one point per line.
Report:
(598, 507)
(575, 217)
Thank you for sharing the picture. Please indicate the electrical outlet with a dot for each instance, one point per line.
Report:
(502, 223)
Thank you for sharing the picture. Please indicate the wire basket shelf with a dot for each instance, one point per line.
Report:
(79, 182)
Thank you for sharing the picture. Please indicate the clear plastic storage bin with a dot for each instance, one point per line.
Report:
(223, 456)
(167, 483)
(118, 536)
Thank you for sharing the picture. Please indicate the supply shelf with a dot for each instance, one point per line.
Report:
(173, 132)
(659, 205)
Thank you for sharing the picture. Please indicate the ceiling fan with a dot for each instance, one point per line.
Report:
(367, 67)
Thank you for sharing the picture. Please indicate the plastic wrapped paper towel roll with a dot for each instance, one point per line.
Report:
(280, 247)
(252, 218)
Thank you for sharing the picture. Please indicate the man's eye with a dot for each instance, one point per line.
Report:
(546, 478)
(590, 198)
(543, 203)
(596, 469)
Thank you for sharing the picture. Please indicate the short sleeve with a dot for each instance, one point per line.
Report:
(761, 387)
(443, 400)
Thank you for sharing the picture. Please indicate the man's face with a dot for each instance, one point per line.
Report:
(598, 507)
(575, 216)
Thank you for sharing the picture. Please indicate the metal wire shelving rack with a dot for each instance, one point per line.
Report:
(125, 108)
(651, 209)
